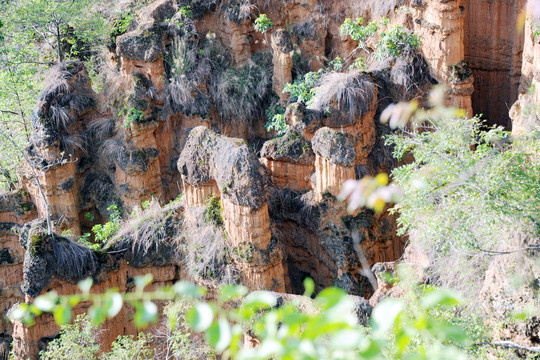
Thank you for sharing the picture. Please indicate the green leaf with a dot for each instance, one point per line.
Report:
(145, 313)
(85, 285)
(97, 314)
(257, 300)
(62, 314)
(142, 281)
(116, 302)
(346, 339)
(18, 313)
(384, 315)
(454, 334)
(74, 300)
(219, 335)
(47, 302)
(442, 297)
(309, 287)
(269, 349)
(261, 298)
(150, 311)
(330, 297)
(201, 317)
(184, 288)
(228, 292)
(372, 350)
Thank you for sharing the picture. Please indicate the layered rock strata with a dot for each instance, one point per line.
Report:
(209, 158)
(53, 262)
(289, 161)
(121, 147)
(334, 161)
(17, 209)
(282, 58)
(441, 25)
(494, 47)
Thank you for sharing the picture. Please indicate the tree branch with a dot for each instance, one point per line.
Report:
(510, 345)
(34, 174)
(9, 112)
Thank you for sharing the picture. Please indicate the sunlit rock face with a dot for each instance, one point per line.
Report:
(494, 46)
(217, 165)
(183, 111)
(522, 113)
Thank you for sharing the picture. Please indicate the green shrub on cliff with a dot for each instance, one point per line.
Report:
(391, 41)
(324, 329)
(77, 341)
(468, 194)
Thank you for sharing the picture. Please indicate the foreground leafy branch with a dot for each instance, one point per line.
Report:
(322, 328)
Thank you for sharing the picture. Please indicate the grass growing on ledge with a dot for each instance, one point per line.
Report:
(203, 241)
(212, 214)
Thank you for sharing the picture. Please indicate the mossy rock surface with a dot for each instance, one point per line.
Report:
(335, 146)
(230, 162)
(10, 228)
(51, 257)
(291, 147)
(17, 201)
(281, 41)
(5, 257)
(133, 161)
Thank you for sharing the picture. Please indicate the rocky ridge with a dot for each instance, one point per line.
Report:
(189, 129)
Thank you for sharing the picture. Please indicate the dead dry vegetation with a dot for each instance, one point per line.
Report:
(190, 236)
(354, 93)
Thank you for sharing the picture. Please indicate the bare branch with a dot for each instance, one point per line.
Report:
(9, 112)
(510, 345)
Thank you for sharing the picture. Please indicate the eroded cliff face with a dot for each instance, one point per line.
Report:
(17, 209)
(523, 110)
(183, 112)
(494, 48)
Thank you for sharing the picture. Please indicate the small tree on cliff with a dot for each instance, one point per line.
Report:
(29, 30)
(64, 25)
(263, 24)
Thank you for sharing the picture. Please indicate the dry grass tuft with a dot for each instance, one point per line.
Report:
(240, 94)
(190, 68)
(100, 129)
(72, 260)
(71, 143)
(353, 92)
(207, 253)
(238, 11)
(146, 228)
(57, 81)
(115, 85)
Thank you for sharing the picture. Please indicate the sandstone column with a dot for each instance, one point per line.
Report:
(282, 59)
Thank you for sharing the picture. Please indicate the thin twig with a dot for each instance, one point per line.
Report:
(510, 345)
(36, 178)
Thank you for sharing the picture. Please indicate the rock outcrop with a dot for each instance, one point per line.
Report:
(524, 112)
(227, 168)
(17, 209)
(441, 25)
(282, 47)
(183, 112)
(334, 162)
(494, 49)
(289, 161)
